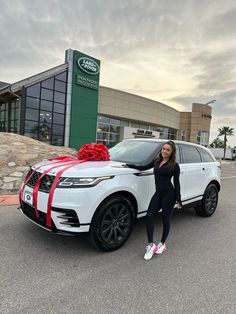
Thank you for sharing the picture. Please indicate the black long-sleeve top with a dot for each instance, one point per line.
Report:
(163, 176)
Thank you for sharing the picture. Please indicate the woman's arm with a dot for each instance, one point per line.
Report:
(177, 184)
(145, 167)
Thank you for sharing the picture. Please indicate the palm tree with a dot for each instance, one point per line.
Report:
(225, 131)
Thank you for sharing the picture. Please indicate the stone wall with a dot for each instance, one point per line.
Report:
(17, 154)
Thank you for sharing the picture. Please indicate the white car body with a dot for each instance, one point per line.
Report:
(137, 186)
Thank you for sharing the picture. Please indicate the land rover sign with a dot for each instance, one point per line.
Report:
(88, 65)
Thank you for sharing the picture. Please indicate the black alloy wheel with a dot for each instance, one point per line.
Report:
(209, 201)
(112, 223)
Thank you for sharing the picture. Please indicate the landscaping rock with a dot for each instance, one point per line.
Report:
(11, 164)
(18, 153)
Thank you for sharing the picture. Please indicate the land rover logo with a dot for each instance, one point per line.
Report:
(88, 65)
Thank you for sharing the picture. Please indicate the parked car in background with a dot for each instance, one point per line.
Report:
(103, 198)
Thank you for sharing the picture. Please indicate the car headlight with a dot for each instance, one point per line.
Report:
(81, 182)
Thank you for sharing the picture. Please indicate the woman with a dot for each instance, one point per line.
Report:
(165, 197)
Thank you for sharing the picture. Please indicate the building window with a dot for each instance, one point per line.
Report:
(114, 122)
(164, 133)
(60, 86)
(45, 110)
(183, 135)
(46, 94)
(124, 123)
(49, 83)
(46, 105)
(167, 133)
(103, 127)
(33, 90)
(32, 102)
(144, 126)
(9, 116)
(3, 117)
(32, 114)
(203, 138)
(62, 77)
(172, 134)
(109, 130)
(134, 124)
(103, 119)
(154, 128)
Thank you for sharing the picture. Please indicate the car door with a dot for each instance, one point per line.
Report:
(206, 166)
(179, 160)
(148, 176)
(146, 189)
(192, 173)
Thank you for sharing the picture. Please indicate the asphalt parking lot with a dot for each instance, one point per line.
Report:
(45, 273)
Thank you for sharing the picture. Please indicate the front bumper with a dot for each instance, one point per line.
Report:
(72, 209)
(65, 215)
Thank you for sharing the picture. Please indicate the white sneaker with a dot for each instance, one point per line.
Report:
(161, 248)
(150, 250)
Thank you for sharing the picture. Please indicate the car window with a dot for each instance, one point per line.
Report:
(177, 154)
(190, 154)
(206, 157)
(133, 151)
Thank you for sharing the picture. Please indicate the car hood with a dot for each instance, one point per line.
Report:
(88, 169)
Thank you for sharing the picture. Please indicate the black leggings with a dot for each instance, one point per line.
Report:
(164, 200)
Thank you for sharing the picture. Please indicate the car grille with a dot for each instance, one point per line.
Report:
(46, 182)
(41, 220)
(66, 216)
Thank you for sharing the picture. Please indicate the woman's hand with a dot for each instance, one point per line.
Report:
(178, 205)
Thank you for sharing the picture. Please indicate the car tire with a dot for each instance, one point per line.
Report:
(112, 223)
(209, 202)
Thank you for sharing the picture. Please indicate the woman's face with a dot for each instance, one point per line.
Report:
(166, 151)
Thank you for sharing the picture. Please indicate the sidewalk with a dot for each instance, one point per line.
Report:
(9, 200)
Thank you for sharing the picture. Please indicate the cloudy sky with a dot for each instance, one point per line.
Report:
(174, 51)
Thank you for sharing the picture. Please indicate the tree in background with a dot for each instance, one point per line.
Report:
(217, 143)
(225, 131)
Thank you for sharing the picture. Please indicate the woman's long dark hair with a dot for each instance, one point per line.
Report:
(172, 158)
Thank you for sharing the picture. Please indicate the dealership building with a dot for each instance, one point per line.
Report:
(66, 106)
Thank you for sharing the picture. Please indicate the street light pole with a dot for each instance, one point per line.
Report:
(210, 102)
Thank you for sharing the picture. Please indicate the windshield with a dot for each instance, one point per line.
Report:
(133, 151)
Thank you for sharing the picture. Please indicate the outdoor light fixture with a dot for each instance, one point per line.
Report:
(210, 102)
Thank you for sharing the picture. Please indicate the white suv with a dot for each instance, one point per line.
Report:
(104, 198)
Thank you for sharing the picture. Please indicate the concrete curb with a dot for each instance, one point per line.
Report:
(9, 200)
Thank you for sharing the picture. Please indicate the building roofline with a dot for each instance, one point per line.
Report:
(14, 87)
